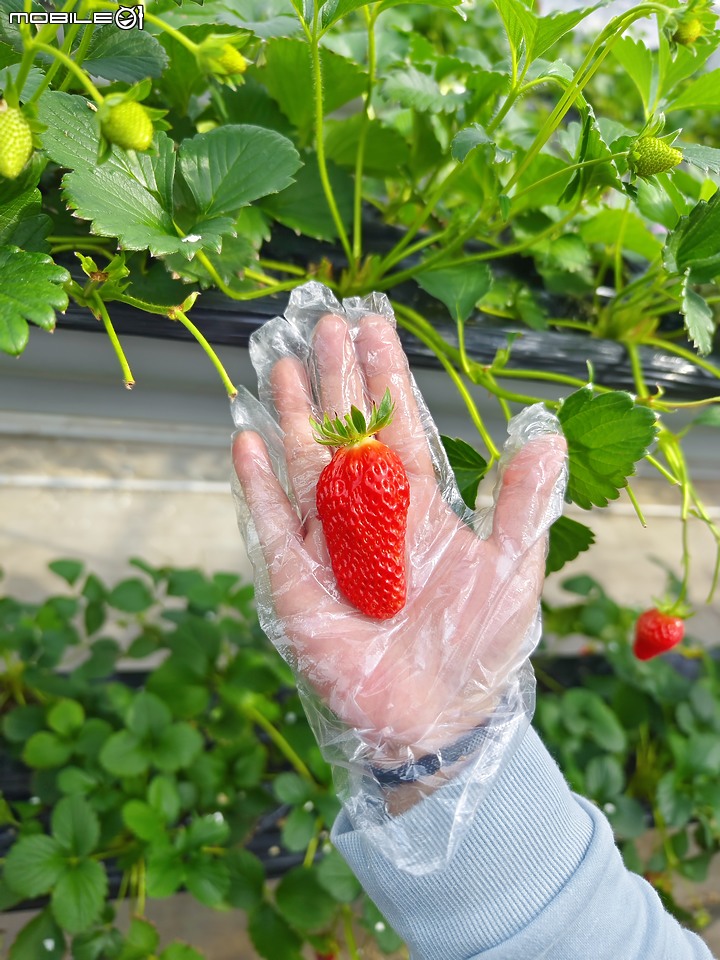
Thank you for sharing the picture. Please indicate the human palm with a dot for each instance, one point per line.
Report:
(435, 669)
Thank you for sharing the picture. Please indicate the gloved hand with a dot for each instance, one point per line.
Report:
(399, 700)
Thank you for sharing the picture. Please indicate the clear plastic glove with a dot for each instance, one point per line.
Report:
(443, 688)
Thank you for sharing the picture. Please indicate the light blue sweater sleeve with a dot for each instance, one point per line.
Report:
(538, 875)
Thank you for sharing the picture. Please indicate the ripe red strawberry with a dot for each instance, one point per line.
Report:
(656, 632)
(363, 496)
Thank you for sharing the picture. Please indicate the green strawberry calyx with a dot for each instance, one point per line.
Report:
(353, 428)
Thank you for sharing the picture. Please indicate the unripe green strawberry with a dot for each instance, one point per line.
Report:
(688, 31)
(15, 142)
(129, 126)
(650, 155)
(362, 497)
(231, 60)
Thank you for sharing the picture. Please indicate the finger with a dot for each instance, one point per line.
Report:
(339, 378)
(304, 456)
(271, 514)
(385, 365)
(531, 494)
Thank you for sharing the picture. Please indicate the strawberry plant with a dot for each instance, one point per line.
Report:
(638, 736)
(492, 167)
(201, 774)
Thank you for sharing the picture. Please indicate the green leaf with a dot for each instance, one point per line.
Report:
(143, 820)
(45, 750)
(163, 796)
(247, 878)
(22, 222)
(674, 804)
(289, 787)
(627, 818)
(165, 871)
(606, 226)
(207, 879)
(693, 244)
(69, 570)
(386, 150)
(41, 937)
(459, 288)
(130, 596)
(180, 951)
(334, 10)
(272, 936)
(337, 879)
(288, 76)
(211, 830)
(98, 944)
(636, 59)
(124, 55)
(123, 756)
(606, 436)
(419, 91)
(710, 417)
(298, 829)
(302, 206)
(231, 166)
(585, 714)
(468, 139)
(75, 826)
(148, 716)
(303, 902)
(79, 895)
(65, 717)
(379, 928)
(568, 539)
(22, 722)
(142, 939)
(31, 292)
(520, 23)
(34, 865)
(129, 195)
(701, 94)
(548, 30)
(176, 748)
(707, 158)
(74, 781)
(699, 318)
(467, 465)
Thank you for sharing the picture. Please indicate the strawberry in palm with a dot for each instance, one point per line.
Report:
(362, 497)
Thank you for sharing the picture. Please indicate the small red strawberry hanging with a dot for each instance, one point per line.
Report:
(363, 496)
(656, 632)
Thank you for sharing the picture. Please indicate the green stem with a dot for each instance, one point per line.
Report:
(241, 294)
(80, 53)
(561, 173)
(252, 713)
(101, 309)
(640, 386)
(682, 352)
(350, 941)
(320, 142)
(407, 317)
(362, 139)
(661, 469)
(70, 64)
(90, 247)
(436, 258)
(609, 36)
(618, 259)
(177, 314)
(282, 267)
(312, 847)
(636, 505)
(171, 31)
